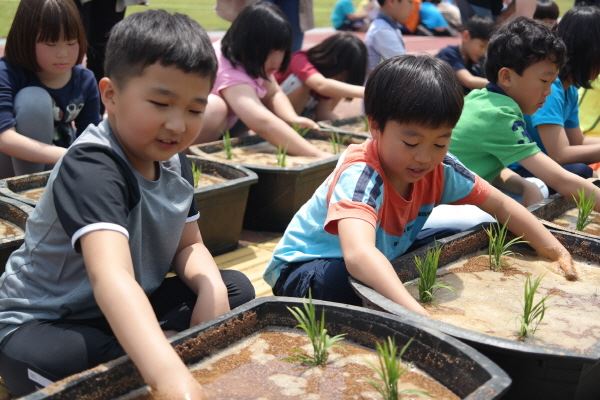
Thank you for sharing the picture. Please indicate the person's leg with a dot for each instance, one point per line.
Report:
(327, 279)
(42, 352)
(580, 169)
(215, 119)
(324, 109)
(34, 119)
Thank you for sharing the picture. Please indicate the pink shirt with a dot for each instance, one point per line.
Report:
(228, 76)
(299, 70)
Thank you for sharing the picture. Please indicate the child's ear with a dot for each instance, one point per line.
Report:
(465, 36)
(374, 128)
(107, 93)
(505, 77)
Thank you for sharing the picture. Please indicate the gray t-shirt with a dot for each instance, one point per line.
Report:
(94, 187)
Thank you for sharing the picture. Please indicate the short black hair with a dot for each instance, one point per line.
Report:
(342, 52)
(416, 89)
(546, 10)
(579, 28)
(156, 36)
(42, 21)
(480, 27)
(521, 43)
(257, 30)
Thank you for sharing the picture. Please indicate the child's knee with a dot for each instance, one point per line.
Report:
(34, 113)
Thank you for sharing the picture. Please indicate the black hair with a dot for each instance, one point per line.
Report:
(521, 43)
(480, 28)
(257, 30)
(416, 89)
(156, 36)
(42, 21)
(579, 28)
(342, 52)
(546, 10)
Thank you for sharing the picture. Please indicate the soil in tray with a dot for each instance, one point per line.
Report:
(569, 220)
(209, 180)
(491, 302)
(264, 154)
(256, 368)
(356, 127)
(9, 231)
(33, 194)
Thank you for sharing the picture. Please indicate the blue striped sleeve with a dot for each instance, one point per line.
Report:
(359, 183)
(458, 180)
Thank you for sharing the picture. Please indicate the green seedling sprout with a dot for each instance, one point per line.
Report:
(532, 313)
(390, 370)
(427, 268)
(227, 144)
(281, 156)
(196, 173)
(365, 121)
(301, 130)
(316, 332)
(498, 247)
(335, 142)
(585, 205)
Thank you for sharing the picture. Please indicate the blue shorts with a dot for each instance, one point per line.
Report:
(327, 278)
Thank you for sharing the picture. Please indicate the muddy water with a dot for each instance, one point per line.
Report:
(491, 302)
(264, 154)
(33, 194)
(569, 220)
(256, 368)
(9, 231)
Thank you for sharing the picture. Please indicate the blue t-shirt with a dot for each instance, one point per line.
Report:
(78, 101)
(452, 55)
(383, 40)
(560, 108)
(358, 188)
(340, 10)
(431, 17)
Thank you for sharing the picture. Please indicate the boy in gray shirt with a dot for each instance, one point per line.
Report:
(117, 214)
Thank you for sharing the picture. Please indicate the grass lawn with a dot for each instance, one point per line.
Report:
(200, 10)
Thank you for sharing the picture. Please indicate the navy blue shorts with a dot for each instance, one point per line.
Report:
(327, 278)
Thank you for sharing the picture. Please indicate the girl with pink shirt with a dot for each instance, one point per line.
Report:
(255, 47)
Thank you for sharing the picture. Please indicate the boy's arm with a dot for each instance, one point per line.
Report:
(567, 146)
(387, 44)
(510, 181)
(197, 269)
(277, 101)
(367, 264)
(522, 223)
(244, 102)
(469, 80)
(333, 88)
(131, 317)
(558, 178)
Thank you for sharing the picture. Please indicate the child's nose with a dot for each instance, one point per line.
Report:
(175, 123)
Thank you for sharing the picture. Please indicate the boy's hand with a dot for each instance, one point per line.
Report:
(179, 387)
(565, 262)
(304, 122)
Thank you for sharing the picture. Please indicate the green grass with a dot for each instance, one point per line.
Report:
(202, 11)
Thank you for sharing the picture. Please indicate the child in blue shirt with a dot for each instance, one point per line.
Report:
(344, 17)
(371, 208)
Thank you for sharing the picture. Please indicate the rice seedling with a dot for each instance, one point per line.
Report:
(316, 332)
(532, 313)
(497, 245)
(390, 370)
(334, 139)
(281, 156)
(227, 145)
(302, 131)
(585, 205)
(196, 173)
(427, 267)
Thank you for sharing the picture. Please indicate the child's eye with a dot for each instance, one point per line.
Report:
(73, 43)
(545, 81)
(196, 112)
(410, 144)
(440, 146)
(158, 104)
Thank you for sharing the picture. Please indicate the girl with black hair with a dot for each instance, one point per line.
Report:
(255, 47)
(555, 126)
(317, 79)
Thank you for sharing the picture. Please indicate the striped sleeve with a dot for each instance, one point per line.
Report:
(461, 185)
(358, 193)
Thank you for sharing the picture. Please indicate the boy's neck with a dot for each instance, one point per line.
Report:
(383, 10)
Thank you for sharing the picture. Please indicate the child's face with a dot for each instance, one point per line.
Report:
(56, 58)
(157, 114)
(400, 9)
(409, 151)
(273, 61)
(474, 48)
(531, 88)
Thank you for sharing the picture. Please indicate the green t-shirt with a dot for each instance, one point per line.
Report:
(490, 134)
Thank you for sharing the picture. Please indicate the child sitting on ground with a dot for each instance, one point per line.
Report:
(344, 17)
(371, 208)
(384, 37)
(466, 58)
(317, 79)
(432, 19)
(88, 284)
(523, 61)
(43, 88)
(245, 88)
(555, 126)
